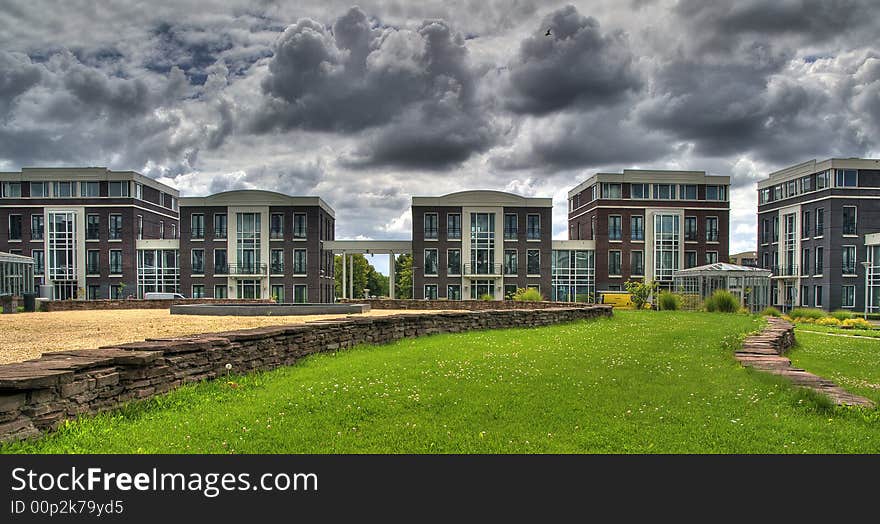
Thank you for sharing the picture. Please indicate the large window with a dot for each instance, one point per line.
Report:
(481, 288)
(278, 292)
(711, 257)
(848, 296)
(63, 189)
(14, 227)
(614, 268)
(820, 261)
(533, 262)
(639, 191)
(711, 229)
(482, 245)
(849, 260)
(219, 225)
(511, 226)
(822, 180)
(93, 264)
(689, 191)
(158, 271)
(716, 193)
(845, 177)
(300, 293)
(299, 261)
(115, 227)
(93, 227)
(849, 220)
(453, 226)
(431, 229)
(61, 257)
(511, 262)
(637, 227)
(614, 227)
(276, 226)
(667, 240)
(431, 262)
(572, 275)
(89, 189)
(533, 227)
(118, 189)
(221, 262)
(805, 261)
(198, 291)
(818, 296)
(453, 292)
(820, 222)
(611, 190)
(276, 262)
(248, 239)
(637, 263)
(197, 222)
(453, 262)
(431, 291)
(220, 291)
(690, 259)
(198, 261)
(690, 228)
(39, 189)
(664, 191)
(12, 190)
(39, 261)
(806, 224)
(115, 261)
(299, 225)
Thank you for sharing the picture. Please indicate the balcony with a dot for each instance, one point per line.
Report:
(790, 270)
(482, 269)
(246, 269)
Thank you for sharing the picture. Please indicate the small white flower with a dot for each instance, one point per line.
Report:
(228, 366)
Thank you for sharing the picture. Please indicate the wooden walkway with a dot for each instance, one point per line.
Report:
(765, 352)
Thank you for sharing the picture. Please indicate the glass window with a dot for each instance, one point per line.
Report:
(14, 227)
(431, 263)
(219, 225)
(116, 261)
(614, 262)
(453, 292)
(300, 294)
(276, 226)
(716, 193)
(89, 189)
(805, 261)
(299, 261)
(848, 296)
(849, 220)
(198, 291)
(115, 227)
(63, 189)
(431, 291)
(431, 230)
(664, 191)
(846, 178)
(611, 190)
(614, 227)
(93, 292)
(637, 262)
(806, 224)
(198, 261)
(689, 191)
(197, 222)
(511, 262)
(39, 189)
(39, 261)
(690, 228)
(806, 184)
(93, 264)
(276, 262)
(220, 291)
(453, 226)
(690, 259)
(161, 229)
(533, 227)
(299, 225)
(138, 191)
(453, 262)
(637, 227)
(820, 222)
(221, 262)
(849, 260)
(822, 180)
(533, 262)
(93, 225)
(711, 257)
(118, 188)
(818, 293)
(511, 226)
(712, 229)
(820, 260)
(12, 190)
(278, 292)
(639, 191)
(805, 295)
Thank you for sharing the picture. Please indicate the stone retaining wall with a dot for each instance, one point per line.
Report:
(37, 395)
(470, 305)
(78, 305)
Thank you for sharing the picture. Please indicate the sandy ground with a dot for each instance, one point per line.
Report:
(25, 336)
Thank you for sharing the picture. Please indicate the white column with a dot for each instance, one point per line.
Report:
(344, 274)
(391, 275)
(351, 278)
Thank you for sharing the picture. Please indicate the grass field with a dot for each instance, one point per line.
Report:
(851, 362)
(27, 335)
(640, 382)
(806, 328)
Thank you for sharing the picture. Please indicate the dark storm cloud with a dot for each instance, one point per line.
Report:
(17, 75)
(576, 64)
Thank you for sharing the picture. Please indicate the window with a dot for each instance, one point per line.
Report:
(300, 293)
(805, 261)
(221, 262)
(115, 227)
(219, 225)
(667, 241)
(791, 188)
(689, 191)
(849, 260)
(848, 296)
(533, 262)
(276, 226)
(845, 178)
(140, 227)
(511, 262)
(614, 227)
(93, 264)
(118, 188)
(138, 191)
(511, 226)
(431, 291)
(431, 226)
(173, 230)
(805, 295)
(63, 189)
(198, 261)
(116, 291)
(197, 226)
(849, 220)
(690, 228)
(93, 224)
(299, 261)
(431, 264)
(198, 291)
(637, 227)
(115, 261)
(806, 224)
(453, 292)
(278, 292)
(639, 191)
(610, 190)
(763, 195)
(820, 261)
(89, 189)
(220, 291)
(593, 227)
(822, 180)
(14, 227)
(818, 296)
(93, 292)
(664, 191)
(276, 262)
(161, 229)
(299, 225)
(711, 257)
(712, 229)
(820, 222)
(453, 262)
(690, 259)
(614, 263)
(776, 228)
(39, 261)
(453, 226)
(509, 291)
(637, 263)
(533, 227)
(39, 189)
(12, 190)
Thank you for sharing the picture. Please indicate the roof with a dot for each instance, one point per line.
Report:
(21, 259)
(721, 268)
(255, 197)
(481, 197)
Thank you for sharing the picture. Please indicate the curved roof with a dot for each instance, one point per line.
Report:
(722, 268)
(481, 197)
(255, 197)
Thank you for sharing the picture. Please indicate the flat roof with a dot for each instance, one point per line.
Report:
(61, 174)
(481, 197)
(813, 166)
(256, 197)
(650, 176)
(18, 259)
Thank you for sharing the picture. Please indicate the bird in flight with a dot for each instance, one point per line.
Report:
(547, 33)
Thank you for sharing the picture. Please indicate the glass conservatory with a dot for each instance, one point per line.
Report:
(16, 274)
(751, 285)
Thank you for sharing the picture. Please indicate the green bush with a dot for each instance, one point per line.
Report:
(487, 296)
(528, 294)
(770, 311)
(722, 301)
(806, 313)
(640, 291)
(668, 301)
(842, 315)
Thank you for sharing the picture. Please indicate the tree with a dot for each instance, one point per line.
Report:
(404, 276)
(365, 276)
(640, 291)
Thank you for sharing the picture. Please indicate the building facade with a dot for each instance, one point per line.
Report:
(257, 244)
(814, 219)
(746, 258)
(92, 232)
(647, 224)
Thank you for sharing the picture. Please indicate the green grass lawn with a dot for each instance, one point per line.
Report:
(648, 381)
(850, 362)
(805, 327)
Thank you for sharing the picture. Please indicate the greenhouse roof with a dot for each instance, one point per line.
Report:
(723, 268)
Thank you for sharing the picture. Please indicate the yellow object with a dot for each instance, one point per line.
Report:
(618, 300)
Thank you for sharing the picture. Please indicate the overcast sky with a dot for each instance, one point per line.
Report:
(366, 106)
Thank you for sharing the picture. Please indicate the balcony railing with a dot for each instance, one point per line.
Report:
(510, 234)
(221, 269)
(115, 234)
(198, 269)
(849, 229)
(431, 232)
(482, 269)
(690, 235)
(453, 233)
(93, 232)
(197, 233)
(711, 236)
(790, 270)
(276, 268)
(276, 234)
(849, 269)
(453, 269)
(220, 232)
(533, 234)
(246, 269)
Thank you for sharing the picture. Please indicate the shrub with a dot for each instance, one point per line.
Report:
(487, 296)
(805, 312)
(842, 315)
(857, 323)
(722, 301)
(770, 312)
(828, 321)
(640, 292)
(668, 301)
(528, 295)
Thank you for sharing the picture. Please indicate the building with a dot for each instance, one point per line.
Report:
(16, 274)
(89, 230)
(746, 258)
(257, 244)
(813, 222)
(647, 224)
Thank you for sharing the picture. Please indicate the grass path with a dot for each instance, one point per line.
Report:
(640, 382)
